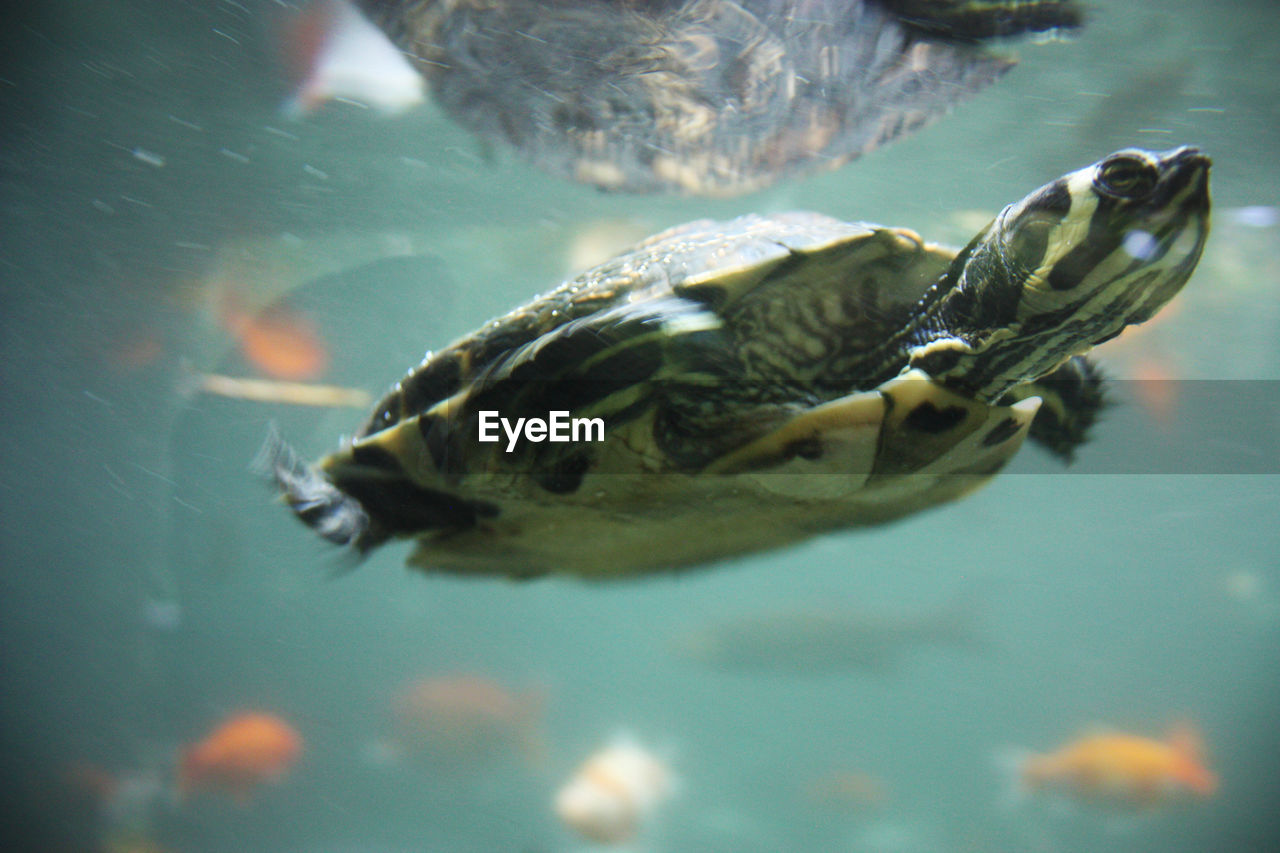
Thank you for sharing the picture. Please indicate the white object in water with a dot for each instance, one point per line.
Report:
(340, 55)
(613, 793)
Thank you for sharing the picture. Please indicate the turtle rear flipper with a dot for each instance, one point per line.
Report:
(317, 502)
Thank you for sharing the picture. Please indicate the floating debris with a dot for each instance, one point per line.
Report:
(278, 391)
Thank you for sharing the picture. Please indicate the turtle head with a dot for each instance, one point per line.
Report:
(1067, 268)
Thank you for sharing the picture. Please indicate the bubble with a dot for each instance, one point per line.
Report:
(1139, 244)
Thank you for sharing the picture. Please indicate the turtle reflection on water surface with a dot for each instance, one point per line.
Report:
(761, 381)
(704, 96)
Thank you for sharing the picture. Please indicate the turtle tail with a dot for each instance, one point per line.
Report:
(318, 503)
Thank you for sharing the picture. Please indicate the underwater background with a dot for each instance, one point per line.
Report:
(151, 587)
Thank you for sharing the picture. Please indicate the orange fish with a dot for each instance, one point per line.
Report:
(281, 343)
(1124, 769)
(468, 717)
(242, 753)
(1156, 389)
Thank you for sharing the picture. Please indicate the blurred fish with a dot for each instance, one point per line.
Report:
(281, 343)
(467, 719)
(334, 53)
(242, 753)
(826, 639)
(1156, 389)
(1119, 769)
(846, 790)
(613, 793)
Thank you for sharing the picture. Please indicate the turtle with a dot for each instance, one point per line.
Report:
(708, 97)
(758, 382)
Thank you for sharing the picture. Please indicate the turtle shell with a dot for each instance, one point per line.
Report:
(703, 96)
(709, 352)
(871, 276)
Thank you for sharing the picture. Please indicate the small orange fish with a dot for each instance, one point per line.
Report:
(240, 754)
(1156, 389)
(281, 343)
(466, 718)
(1125, 769)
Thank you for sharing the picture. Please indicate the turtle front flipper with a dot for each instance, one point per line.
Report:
(1073, 396)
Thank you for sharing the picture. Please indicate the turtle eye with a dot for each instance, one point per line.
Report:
(1126, 176)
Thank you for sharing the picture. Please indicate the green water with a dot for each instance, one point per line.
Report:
(150, 586)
